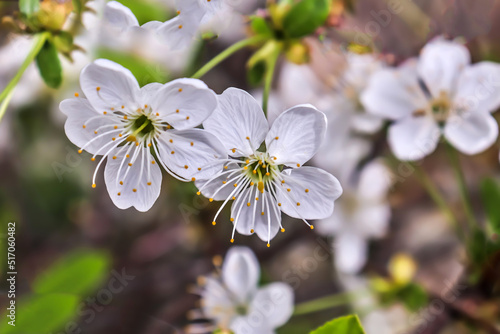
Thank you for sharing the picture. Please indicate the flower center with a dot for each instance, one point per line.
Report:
(441, 107)
(260, 169)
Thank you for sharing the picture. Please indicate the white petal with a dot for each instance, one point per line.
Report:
(440, 65)
(312, 193)
(370, 220)
(300, 131)
(412, 138)
(143, 176)
(471, 133)
(218, 303)
(80, 113)
(215, 188)
(350, 253)
(275, 302)
(374, 181)
(178, 33)
(366, 123)
(250, 217)
(193, 100)
(149, 92)
(109, 85)
(119, 16)
(191, 153)
(478, 88)
(238, 117)
(241, 272)
(254, 322)
(394, 93)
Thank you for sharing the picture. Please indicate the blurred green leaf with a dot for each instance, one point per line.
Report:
(49, 65)
(78, 6)
(143, 71)
(256, 73)
(305, 17)
(79, 273)
(413, 296)
(41, 314)
(260, 26)
(345, 325)
(146, 11)
(29, 7)
(490, 194)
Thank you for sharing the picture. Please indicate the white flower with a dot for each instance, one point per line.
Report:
(440, 94)
(127, 124)
(234, 301)
(264, 182)
(360, 214)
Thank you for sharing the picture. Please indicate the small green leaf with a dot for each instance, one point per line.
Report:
(41, 314)
(305, 17)
(260, 26)
(79, 273)
(345, 325)
(49, 65)
(29, 7)
(413, 296)
(256, 73)
(490, 194)
(144, 71)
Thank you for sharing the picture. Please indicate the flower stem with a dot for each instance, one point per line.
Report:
(434, 193)
(459, 175)
(268, 80)
(38, 43)
(5, 103)
(327, 302)
(225, 54)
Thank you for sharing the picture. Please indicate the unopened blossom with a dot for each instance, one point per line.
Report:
(137, 129)
(263, 182)
(362, 213)
(233, 300)
(440, 94)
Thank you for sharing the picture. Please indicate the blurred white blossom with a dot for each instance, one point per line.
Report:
(440, 94)
(235, 302)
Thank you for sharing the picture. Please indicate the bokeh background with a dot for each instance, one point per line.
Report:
(45, 186)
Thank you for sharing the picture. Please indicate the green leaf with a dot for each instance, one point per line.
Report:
(29, 7)
(41, 314)
(260, 26)
(49, 65)
(146, 11)
(144, 71)
(345, 325)
(79, 273)
(413, 296)
(255, 74)
(490, 194)
(305, 17)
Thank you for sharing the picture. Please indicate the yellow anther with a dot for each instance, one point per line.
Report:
(282, 230)
(274, 158)
(233, 150)
(134, 190)
(145, 106)
(248, 138)
(149, 144)
(256, 198)
(177, 111)
(153, 162)
(251, 231)
(255, 172)
(268, 245)
(121, 183)
(231, 219)
(98, 88)
(104, 112)
(113, 139)
(178, 12)
(180, 26)
(192, 144)
(171, 140)
(193, 179)
(129, 164)
(127, 156)
(232, 240)
(251, 183)
(262, 213)
(199, 168)
(288, 189)
(225, 167)
(247, 161)
(211, 199)
(186, 166)
(198, 193)
(136, 143)
(180, 90)
(119, 194)
(248, 204)
(116, 127)
(276, 138)
(172, 152)
(114, 157)
(245, 168)
(95, 132)
(224, 182)
(307, 190)
(84, 126)
(125, 117)
(92, 159)
(112, 109)
(80, 151)
(234, 197)
(157, 114)
(235, 185)
(187, 117)
(149, 183)
(279, 204)
(94, 185)
(123, 107)
(214, 223)
(298, 165)
(312, 227)
(298, 204)
(76, 94)
(267, 174)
